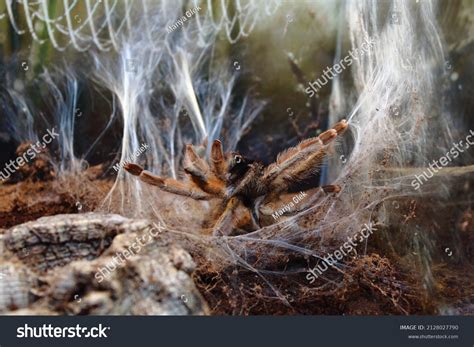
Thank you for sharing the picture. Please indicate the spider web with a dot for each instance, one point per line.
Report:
(384, 144)
(107, 20)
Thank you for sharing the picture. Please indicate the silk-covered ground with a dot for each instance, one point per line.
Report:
(380, 280)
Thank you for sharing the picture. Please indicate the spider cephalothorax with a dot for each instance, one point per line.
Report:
(243, 179)
(250, 192)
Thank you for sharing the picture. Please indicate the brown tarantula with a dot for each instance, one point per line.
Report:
(250, 192)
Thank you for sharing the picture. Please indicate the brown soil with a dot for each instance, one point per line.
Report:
(371, 285)
(30, 199)
(35, 190)
(378, 283)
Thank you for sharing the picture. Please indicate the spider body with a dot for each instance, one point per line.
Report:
(251, 193)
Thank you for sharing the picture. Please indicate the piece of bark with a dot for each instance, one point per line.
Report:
(55, 241)
(96, 264)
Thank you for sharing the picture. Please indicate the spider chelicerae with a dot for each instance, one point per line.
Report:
(249, 191)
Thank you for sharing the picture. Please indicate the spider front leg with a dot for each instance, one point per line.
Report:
(301, 162)
(224, 225)
(218, 164)
(235, 219)
(201, 174)
(166, 184)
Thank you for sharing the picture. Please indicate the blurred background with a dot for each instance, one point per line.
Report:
(302, 32)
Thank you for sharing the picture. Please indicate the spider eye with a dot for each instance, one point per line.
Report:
(238, 159)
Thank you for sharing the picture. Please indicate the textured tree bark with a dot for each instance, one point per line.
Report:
(95, 264)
